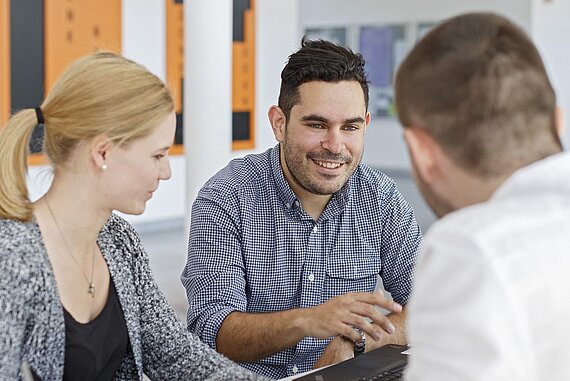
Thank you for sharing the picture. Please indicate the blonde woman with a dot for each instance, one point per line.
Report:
(77, 298)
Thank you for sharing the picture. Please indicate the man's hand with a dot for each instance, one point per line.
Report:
(339, 349)
(398, 337)
(340, 315)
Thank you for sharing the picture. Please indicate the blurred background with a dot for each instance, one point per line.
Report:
(222, 60)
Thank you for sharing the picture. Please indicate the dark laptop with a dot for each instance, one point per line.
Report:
(384, 363)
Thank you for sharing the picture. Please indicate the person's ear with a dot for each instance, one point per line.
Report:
(423, 151)
(559, 120)
(278, 122)
(366, 120)
(100, 147)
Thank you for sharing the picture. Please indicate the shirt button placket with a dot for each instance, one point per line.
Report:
(310, 293)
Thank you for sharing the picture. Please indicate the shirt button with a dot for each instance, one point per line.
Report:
(288, 206)
(295, 369)
(315, 229)
(311, 277)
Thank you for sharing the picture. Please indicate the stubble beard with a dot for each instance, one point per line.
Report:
(299, 169)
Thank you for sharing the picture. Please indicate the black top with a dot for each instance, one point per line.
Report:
(95, 350)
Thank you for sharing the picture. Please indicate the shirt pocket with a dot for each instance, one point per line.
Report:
(355, 273)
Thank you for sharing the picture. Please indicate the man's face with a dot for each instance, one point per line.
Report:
(323, 140)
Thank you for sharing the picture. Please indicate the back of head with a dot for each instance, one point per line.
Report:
(100, 94)
(477, 85)
(319, 60)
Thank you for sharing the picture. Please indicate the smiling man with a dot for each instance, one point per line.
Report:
(286, 247)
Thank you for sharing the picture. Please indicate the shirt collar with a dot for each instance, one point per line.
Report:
(284, 191)
(336, 204)
(551, 173)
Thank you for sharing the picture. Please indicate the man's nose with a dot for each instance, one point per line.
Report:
(333, 141)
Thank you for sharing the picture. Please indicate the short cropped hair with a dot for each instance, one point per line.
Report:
(477, 85)
(319, 60)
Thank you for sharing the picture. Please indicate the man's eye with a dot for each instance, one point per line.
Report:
(351, 128)
(316, 125)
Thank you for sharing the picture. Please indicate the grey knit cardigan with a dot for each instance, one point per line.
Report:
(32, 324)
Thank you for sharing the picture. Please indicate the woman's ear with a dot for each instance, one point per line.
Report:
(278, 122)
(100, 148)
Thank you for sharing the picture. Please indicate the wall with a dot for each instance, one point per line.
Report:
(384, 142)
(144, 34)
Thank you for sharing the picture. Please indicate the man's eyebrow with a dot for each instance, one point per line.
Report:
(314, 118)
(356, 119)
(319, 118)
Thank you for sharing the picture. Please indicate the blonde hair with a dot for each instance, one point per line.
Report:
(102, 93)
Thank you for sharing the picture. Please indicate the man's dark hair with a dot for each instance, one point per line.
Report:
(319, 60)
(477, 85)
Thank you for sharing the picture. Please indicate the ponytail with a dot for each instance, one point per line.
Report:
(14, 142)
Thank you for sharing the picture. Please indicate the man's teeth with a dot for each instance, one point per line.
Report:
(328, 164)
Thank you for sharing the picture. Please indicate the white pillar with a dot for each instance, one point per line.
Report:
(208, 81)
(278, 34)
(141, 43)
(207, 90)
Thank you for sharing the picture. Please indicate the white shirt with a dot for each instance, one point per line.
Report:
(491, 299)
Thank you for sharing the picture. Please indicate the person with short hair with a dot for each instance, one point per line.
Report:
(482, 129)
(286, 246)
(77, 297)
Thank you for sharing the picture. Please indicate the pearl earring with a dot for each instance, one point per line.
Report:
(104, 166)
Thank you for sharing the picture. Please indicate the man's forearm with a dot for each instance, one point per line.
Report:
(248, 337)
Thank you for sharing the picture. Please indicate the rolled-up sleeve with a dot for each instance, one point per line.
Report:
(214, 275)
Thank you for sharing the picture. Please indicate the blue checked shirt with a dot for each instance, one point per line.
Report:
(252, 248)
